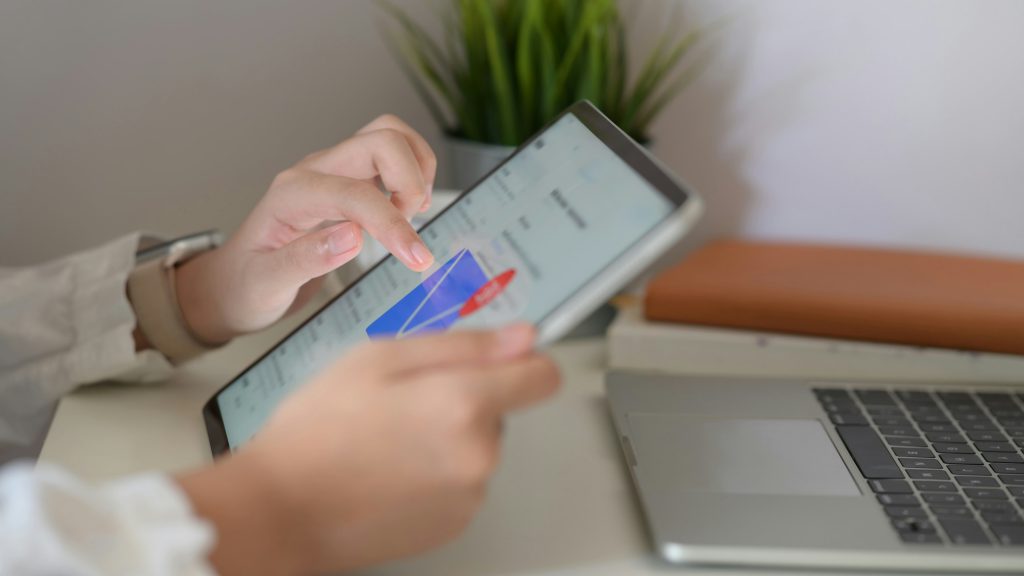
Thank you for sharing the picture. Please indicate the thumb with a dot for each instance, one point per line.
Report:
(311, 256)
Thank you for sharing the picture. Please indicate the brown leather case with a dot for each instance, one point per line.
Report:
(904, 297)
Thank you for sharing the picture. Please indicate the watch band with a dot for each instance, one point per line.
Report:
(151, 288)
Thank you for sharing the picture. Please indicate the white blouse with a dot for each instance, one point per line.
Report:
(62, 324)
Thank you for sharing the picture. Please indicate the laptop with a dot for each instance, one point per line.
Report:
(827, 475)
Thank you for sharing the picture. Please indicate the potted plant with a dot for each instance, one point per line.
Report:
(507, 67)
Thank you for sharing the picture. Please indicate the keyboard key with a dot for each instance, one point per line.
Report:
(841, 406)
(890, 486)
(1013, 424)
(884, 411)
(980, 426)
(930, 417)
(920, 538)
(961, 511)
(938, 428)
(960, 458)
(1017, 491)
(923, 410)
(906, 512)
(987, 437)
(918, 463)
(869, 453)
(977, 481)
(875, 397)
(995, 447)
(832, 393)
(913, 525)
(934, 486)
(985, 494)
(848, 419)
(916, 442)
(1003, 458)
(994, 505)
(897, 430)
(898, 422)
(1004, 518)
(970, 416)
(964, 530)
(915, 396)
(922, 474)
(953, 448)
(913, 453)
(1008, 468)
(1009, 535)
(968, 470)
(995, 398)
(946, 437)
(923, 406)
(944, 499)
(957, 399)
(898, 500)
(1012, 480)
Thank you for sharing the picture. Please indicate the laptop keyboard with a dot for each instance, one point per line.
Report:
(946, 466)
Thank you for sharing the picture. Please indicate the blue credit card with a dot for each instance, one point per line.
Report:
(435, 303)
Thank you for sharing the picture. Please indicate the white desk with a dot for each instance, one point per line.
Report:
(561, 502)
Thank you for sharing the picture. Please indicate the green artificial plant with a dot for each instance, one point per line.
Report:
(507, 67)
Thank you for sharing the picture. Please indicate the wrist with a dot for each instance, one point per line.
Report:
(256, 533)
(197, 289)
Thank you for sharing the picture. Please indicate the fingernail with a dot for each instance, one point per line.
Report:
(342, 240)
(420, 255)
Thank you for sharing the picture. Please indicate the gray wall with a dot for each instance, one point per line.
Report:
(878, 121)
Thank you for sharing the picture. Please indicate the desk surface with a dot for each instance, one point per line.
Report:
(561, 502)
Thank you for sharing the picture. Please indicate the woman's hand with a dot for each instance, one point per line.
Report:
(309, 223)
(385, 454)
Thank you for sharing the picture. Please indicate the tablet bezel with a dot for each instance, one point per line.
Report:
(687, 210)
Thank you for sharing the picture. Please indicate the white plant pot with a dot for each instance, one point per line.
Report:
(469, 161)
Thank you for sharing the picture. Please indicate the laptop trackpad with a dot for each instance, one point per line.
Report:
(739, 456)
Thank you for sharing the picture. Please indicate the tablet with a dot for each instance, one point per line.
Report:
(573, 215)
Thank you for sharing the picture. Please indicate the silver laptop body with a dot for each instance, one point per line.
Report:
(763, 473)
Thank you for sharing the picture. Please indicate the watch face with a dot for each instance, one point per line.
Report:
(178, 248)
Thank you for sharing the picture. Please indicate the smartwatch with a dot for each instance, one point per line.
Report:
(151, 289)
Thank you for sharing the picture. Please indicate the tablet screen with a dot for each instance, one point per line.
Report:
(513, 248)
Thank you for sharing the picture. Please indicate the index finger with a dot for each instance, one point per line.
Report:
(421, 149)
(307, 198)
(381, 153)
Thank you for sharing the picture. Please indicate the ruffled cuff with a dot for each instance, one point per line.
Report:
(52, 523)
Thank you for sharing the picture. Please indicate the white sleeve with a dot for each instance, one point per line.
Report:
(65, 323)
(51, 523)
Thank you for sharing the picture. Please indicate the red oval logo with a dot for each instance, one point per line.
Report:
(487, 293)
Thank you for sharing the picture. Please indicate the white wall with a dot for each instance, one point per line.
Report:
(870, 121)
(173, 115)
(879, 121)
